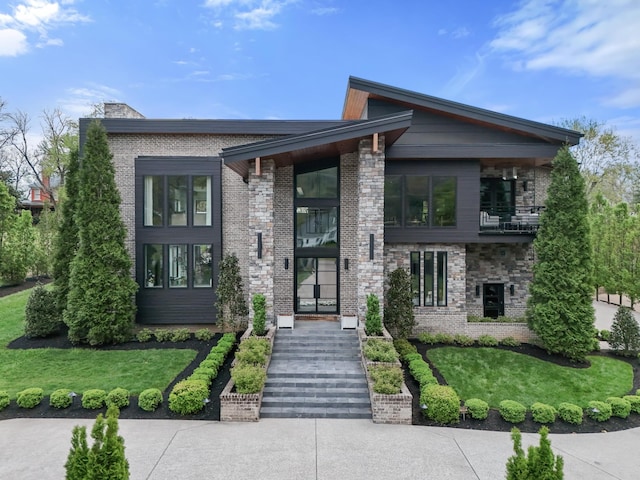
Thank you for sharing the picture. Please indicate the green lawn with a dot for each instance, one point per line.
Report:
(79, 369)
(494, 375)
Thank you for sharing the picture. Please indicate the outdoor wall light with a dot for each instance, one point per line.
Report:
(286, 263)
(524, 185)
(514, 173)
(259, 244)
(371, 246)
(512, 289)
(477, 290)
(346, 264)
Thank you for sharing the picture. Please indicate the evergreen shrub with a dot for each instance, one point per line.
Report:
(478, 409)
(463, 340)
(118, 397)
(254, 351)
(106, 459)
(61, 398)
(487, 341)
(188, 396)
(259, 303)
(509, 342)
(444, 338)
(598, 411)
(570, 413)
(422, 373)
(4, 399)
(41, 315)
(248, 378)
(543, 413)
(163, 334)
(404, 347)
(180, 335)
(427, 338)
(512, 411)
(377, 350)
(150, 399)
(203, 334)
(94, 398)
(620, 407)
(78, 458)
(442, 403)
(30, 397)
(373, 322)
(625, 333)
(539, 464)
(144, 335)
(399, 317)
(634, 402)
(387, 380)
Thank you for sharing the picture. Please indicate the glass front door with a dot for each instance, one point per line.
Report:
(316, 285)
(493, 300)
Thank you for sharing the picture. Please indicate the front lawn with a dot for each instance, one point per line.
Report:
(495, 375)
(80, 369)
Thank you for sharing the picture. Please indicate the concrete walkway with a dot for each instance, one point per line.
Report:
(328, 449)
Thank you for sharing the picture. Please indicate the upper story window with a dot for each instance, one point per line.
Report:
(37, 194)
(420, 201)
(177, 200)
(317, 183)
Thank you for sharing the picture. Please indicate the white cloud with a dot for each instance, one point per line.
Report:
(12, 42)
(325, 11)
(460, 32)
(79, 101)
(584, 37)
(50, 42)
(247, 14)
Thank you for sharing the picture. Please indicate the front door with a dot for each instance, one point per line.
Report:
(493, 300)
(316, 285)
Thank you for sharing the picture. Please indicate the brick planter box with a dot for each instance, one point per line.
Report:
(395, 409)
(243, 407)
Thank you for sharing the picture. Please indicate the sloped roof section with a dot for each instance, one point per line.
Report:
(317, 144)
(360, 90)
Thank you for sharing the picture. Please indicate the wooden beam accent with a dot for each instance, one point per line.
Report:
(374, 147)
(258, 167)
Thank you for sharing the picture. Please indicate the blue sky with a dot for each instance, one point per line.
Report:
(543, 60)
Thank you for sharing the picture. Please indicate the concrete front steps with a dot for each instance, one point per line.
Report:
(315, 372)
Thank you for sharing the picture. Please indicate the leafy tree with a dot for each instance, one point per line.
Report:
(539, 464)
(398, 311)
(373, 322)
(76, 466)
(559, 309)
(230, 304)
(625, 333)
(66, 241)
(100, 303)
(18, 254)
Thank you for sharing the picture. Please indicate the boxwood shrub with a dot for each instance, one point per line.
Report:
(150, 399)
(180, 335)
(634, 401)
(93, 398)
(248, 378)
(118, 397)
(4, 399)
(543, 413)
(378, 350)
(570, 413)
(163, 334)
(188, 396)
(442, 403)
(204, 335)
(619, 407)
(599, 411)
(144, 335)
(253, 351)
(512, 411)
(421, 371)
(404, 347)
(387, 380)
(463, 340)
(487, 341)
(427, 338)
(30, 397)
(444, 338)
(61, 398)
(478, 409)
(509, 342)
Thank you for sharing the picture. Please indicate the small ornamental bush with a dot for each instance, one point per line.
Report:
(444, 338)
(144, 335)
(78, 458)
(118, 397)
(570, 413)
(410, 357)
(373, 322)
(387, 380)
(543, 413)
(94, 398)
(207, 374)
(512, 411)
(404, 347)
(539, 463)
(478, 409)
(248, 378)
(620, 407)
(216, 357)
(422, 373)
(41, 315)
(259, 303)
(605, 335)
(509, 342)
(625, 333)
(150, 399)
(253, 351)
(441, 402)
(4, 399)
(180, 335)
(598, 411)
(30, 397)
(204, 335)
(61, 398)
(188, 396)
(487, 341)
(463, 340)
(163, 334)
(377, 350)
(634, 402)
(427, 338)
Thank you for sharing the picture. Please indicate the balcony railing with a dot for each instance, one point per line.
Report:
(510, 221)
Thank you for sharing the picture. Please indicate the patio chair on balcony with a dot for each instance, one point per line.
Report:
(489, 221)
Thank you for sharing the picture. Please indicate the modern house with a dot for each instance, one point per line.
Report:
(320, 212)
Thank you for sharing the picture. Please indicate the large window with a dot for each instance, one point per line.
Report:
(202, 266)
(317, 183)
(181, 191)
(420, 201)
(154, 266)
(442, 279)
(316, 227)
(201, 200)
(177, 200)
(435, 272)
(178, 266)
(415, 277)
(428, 279)
(153, 200)
(497, 197)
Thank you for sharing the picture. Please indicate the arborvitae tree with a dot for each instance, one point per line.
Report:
(373, 322)
(66, 244)
(230, 304)
(100, 303)
(76, 466)
(559, 310)
(41, 318)
(539, 464)
(18, 250)
(625, 333)
(106, 459)
(259, 314)
(7, 214)
(398, 311)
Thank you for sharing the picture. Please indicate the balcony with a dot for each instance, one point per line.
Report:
(510, 221)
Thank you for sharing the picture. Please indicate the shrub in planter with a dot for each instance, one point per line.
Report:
(487, 341)
(118, 397)
(463, 340)
(259, 303)
(570, 413)
(478, 409)
(180, 335)
(512, 411)
(619, 407)
(444, 338)
(386, 379)
(93, 398)
(373, 322)
(634, 402)
(404, 347)
(30, 397)
(253, 351)
(4, 399)
(543, 413)
(188, 396)
(144, 335)
(150, 399)
(442, 403)
(41, 314)
(378, 350)
(248, 378)
(427, 338)
(598, 411)
(203, 334)
(162, 334)
(509, 342)
(61, 398)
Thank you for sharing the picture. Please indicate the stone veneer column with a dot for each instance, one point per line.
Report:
(261, 220)
(370, 221)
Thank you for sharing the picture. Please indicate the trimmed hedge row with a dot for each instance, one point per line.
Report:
(249, 373)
